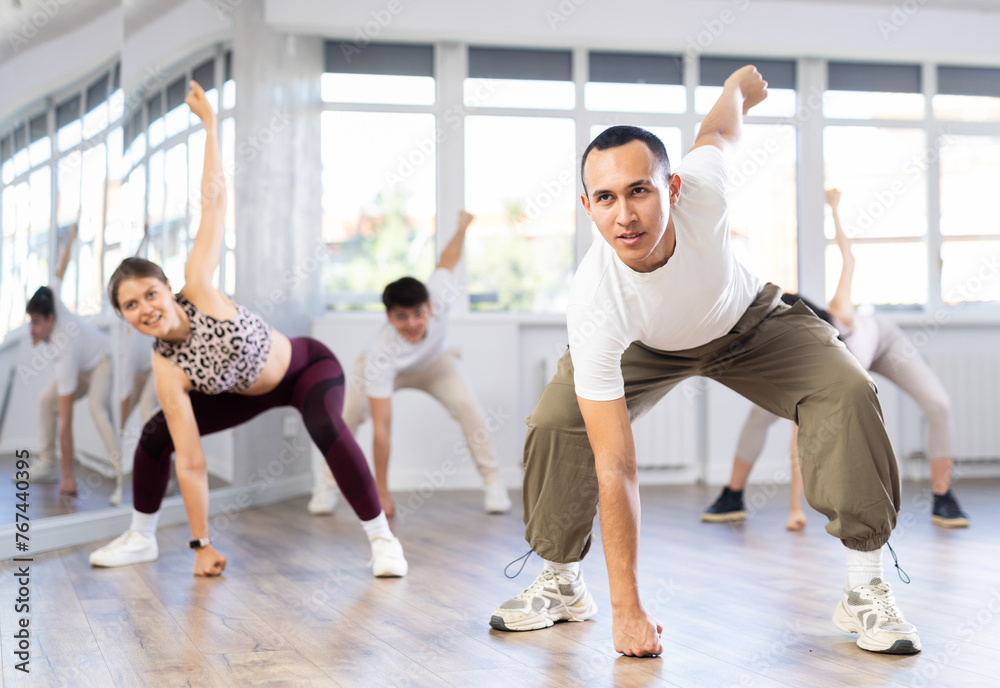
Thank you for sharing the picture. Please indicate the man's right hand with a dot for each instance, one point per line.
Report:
(636, 633)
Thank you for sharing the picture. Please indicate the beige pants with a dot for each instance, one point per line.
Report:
(95, 384)
(143, 393)
(445, 381)
(784, 359)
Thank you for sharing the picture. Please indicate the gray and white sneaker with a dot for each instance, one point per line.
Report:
(552, 597)
(870, 611)
(323, 500)
(495, 499)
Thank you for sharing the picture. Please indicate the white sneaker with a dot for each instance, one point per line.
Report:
(324, 501)
(43, 474)
(495, 499)
(870, 611)
(387, 558)
(552, 597)
(130, 548)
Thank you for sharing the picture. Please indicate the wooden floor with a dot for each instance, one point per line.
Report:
(93, 491)
(741, 606)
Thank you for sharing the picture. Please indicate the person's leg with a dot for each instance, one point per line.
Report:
(796, 515)
(151, 471)
(729, 505)
(44, 471)
(792, 364)
(445, 381)
(901, 363)
(356, 412)
(99, 400)
(318, 393)
(145, 384)
(67, 481)
(561, 490)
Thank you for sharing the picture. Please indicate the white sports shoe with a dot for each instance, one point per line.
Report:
(44, 474)
(132, 547)
(870, 611)
(323, 501)
(552, 597)
(387, 558)
(495, 499)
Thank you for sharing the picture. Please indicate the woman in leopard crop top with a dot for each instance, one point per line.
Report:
(218, 365)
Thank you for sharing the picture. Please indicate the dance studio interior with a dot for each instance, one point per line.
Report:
(383, 476)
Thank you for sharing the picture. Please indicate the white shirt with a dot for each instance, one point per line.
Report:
(697, 297)
(75, 345)
(390, 353)
(136, 357)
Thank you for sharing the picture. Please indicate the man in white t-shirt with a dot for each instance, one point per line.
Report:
(81, 354)
(660, 299)
(411, 351)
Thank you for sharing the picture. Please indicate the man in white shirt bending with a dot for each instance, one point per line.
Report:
(411, 351)
(81, 354)
(660, 299)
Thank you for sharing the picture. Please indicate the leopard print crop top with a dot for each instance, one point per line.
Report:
(220, 355)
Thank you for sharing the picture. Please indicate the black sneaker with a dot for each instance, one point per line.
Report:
(947, 513)
(727, 508)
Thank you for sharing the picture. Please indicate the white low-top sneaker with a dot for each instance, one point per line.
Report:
(387, 558)
(495, 499)
(323, 501)
(552, 597)
(870, 611)
(130, 548)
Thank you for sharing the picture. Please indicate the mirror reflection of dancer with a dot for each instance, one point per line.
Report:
(881, 347)
(412, 352)
(82, 356)
(674, 302)
(139, 385)
(218, 365)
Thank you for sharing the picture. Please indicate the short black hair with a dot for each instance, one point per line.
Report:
(405, 292)
(619, 135)
(42, 303)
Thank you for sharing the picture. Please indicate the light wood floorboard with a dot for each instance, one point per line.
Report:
(741, 605)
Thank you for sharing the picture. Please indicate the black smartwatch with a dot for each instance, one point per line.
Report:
(199, 543)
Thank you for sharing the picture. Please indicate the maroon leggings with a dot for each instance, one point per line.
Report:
(314, 384)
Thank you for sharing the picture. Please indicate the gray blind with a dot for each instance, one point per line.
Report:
(969, 81)
(133, 127)
(176, 92)
(67, 111)
(228, 69)
(204, 74)
(38, 127)
(155, 107)
(777, 73)
(399, 59)
(6, 149)
(636, 68)
(512, 63)
(20, 137)
(116, 77)
(97, 92)
(862, 76)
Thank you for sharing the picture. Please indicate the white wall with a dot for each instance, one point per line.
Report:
(785, 28)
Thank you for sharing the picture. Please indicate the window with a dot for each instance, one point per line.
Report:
(516, 78)
(379, 170)
(635, 82)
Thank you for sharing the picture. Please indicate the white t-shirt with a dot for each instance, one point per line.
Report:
(390, 354)
(697, 297)
(75, 345)
(136, 356)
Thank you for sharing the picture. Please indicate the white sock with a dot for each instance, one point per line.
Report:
(378, 527)
(144, 524)
(863, 566)
(571, 570)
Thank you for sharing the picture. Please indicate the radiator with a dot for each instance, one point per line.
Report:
(973, 383)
